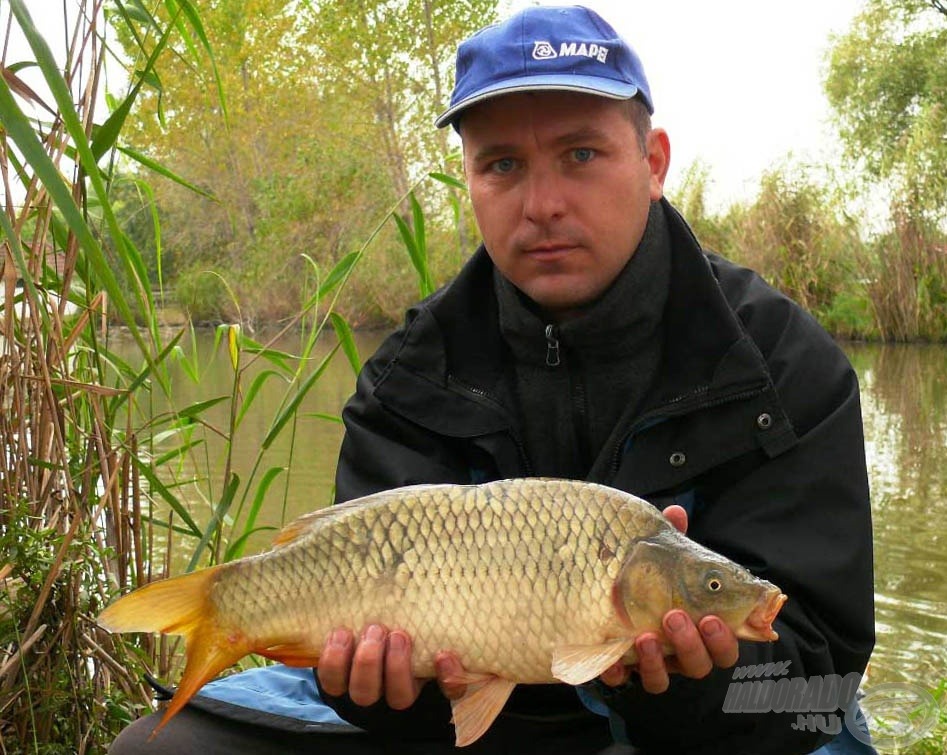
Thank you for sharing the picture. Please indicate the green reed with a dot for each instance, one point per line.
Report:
(103, 472)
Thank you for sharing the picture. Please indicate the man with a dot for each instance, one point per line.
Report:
(591, 337)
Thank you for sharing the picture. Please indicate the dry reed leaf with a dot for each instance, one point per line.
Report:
(18, 86)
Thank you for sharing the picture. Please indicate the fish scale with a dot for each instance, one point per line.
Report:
(456, 592)
(527, 581)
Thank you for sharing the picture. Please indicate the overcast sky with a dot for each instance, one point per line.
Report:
(737, 83)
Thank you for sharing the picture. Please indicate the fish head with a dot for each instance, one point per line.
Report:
(670, 571)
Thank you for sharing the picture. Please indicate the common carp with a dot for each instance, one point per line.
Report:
(527, 581)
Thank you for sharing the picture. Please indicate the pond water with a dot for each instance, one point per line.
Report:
(904, 404)
(904, 396)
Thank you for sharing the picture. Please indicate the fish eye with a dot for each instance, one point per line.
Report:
(714, 584)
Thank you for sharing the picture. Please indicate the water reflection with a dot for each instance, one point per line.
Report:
(904, 396)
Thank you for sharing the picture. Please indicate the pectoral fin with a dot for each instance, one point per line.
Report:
(577, 664)
(476, 710)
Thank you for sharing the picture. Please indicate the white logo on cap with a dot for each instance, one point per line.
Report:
(542, 50)
(590, 50)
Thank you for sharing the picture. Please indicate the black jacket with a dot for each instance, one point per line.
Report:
(753, 425)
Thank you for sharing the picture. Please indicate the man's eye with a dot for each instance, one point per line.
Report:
(503, 165)
(583, 154)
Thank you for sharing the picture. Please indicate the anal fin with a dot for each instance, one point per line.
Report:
(478, 708)
(300, 654)
(577, 664)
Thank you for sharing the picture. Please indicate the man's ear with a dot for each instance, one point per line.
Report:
(659, 159)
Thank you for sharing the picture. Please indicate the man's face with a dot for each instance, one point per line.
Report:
(561, 191)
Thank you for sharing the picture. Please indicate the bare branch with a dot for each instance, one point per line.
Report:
(940, 6)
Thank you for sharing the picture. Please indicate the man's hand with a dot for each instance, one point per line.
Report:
(377, 666)
(696, 648)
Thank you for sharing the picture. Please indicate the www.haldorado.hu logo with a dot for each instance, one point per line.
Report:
(892, 715)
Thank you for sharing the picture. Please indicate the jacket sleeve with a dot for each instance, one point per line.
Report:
(802, 520)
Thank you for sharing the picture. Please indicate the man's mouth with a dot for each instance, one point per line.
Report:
(549, 251)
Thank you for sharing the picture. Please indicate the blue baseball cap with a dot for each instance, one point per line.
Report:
(570, 48)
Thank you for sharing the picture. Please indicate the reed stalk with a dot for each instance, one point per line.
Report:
(93, 503)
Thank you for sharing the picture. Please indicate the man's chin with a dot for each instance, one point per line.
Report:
(562, 301)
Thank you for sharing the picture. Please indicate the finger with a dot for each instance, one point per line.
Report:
(720, 641)
(448, 665)
(677, 516)
(335, 663)
(368, 663)
(401, 688)
(615, 675)
(692, 655)
(651, 667)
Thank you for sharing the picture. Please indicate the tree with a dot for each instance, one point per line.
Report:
(322, 119)
(393, 59)
(887, 82)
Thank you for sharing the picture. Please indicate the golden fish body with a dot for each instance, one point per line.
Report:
(527, 581)
(501, 574)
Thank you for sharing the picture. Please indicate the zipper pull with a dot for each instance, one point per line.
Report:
(552, 346)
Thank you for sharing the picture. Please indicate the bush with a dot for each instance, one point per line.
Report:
(203, 295)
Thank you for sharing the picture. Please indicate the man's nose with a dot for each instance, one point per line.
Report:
(544, 196)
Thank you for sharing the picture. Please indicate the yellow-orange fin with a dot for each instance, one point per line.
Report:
(182, 606)
(467, 677)
(478, 708)
(577, 664)
(170, 606)
(301, 654)
(321, 517)
(307, 522)
(208, 651)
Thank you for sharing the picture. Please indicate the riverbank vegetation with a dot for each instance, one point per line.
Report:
(106, 480)
(300, 164)
(273, 163)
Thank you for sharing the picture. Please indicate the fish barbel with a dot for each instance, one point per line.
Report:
(527, 581)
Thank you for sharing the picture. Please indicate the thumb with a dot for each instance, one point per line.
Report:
(676, 515)
(449, 669)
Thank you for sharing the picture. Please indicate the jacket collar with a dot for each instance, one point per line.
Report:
(454, 346)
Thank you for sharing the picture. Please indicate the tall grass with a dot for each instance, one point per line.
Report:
(100, 465)
(71, 523)
(908, 277)
(797, 233)
(87, 471)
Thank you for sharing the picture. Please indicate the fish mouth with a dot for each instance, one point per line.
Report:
(758, 626)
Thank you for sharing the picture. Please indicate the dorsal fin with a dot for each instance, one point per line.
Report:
(307, 522)
(299, 527)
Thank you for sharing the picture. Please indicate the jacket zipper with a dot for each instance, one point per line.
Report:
(552, 346)
(577, 395)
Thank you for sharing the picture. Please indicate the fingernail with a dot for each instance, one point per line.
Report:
(676, 621)
(339, 638)
(374, 633)
(711, 627)
(650, 646)
(397, 642)
(444, 666)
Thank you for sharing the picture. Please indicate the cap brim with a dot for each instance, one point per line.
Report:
(594, 85)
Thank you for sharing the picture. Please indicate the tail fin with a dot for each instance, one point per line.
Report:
(181, 606)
